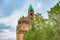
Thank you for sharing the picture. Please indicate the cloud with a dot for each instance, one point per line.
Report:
(12, 22)
(3, 26)
(12, 19)
(16, 14)
(7, 34)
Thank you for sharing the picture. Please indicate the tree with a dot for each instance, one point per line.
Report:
(36, 33)
(54, 18)
(45, 29)
(40, 30)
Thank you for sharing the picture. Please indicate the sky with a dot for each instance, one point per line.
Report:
(12, 10)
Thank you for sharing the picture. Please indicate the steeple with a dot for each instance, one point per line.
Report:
(30, 8)
(30, 13)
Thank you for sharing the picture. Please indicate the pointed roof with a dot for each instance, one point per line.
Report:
(30, 8)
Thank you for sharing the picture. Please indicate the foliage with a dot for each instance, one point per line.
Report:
(45, 29)
(54, 18)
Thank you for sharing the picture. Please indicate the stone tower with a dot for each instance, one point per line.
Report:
(30, 13)
(24, 24)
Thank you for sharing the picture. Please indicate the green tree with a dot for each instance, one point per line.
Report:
(45, 29)
(36, 31)
(40, 30)
(54, 18)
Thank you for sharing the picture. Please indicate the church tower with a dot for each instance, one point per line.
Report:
(24, 24)
(30, 13)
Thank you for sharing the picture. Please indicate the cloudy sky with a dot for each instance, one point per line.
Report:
(12, 10)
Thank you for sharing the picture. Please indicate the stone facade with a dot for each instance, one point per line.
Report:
(24, 24)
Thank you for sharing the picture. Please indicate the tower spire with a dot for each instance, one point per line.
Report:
(30, 8)
(31, 14)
